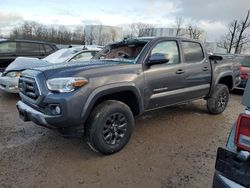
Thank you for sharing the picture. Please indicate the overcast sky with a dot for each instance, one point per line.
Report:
(212, 16)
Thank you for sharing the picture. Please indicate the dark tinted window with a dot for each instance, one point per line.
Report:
(170, 48)
(192, 52)
(48, 49)
(42, 49)
(8, 47)
(30, 48)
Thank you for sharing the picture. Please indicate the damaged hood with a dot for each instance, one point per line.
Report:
(22, 63)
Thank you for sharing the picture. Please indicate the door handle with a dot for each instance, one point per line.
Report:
(180, 71)
(205, 69)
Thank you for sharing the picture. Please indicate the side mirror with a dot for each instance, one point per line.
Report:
(215, 57)
(158, 58)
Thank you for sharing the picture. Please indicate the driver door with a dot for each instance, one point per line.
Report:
(164, 82)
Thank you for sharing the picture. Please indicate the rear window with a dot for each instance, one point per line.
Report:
(61, 55)
(192, 52)
(27, 47)
(244, 61)
(8, 47)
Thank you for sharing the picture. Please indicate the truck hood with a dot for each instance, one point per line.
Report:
(22, 63)
(69, 69)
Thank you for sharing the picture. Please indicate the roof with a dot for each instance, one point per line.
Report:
(24, 40)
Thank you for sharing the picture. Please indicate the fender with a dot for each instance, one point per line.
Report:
(106, 90)
(218, 78)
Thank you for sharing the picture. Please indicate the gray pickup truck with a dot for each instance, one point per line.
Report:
(101, 97)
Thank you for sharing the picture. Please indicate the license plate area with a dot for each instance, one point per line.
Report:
(231, 167)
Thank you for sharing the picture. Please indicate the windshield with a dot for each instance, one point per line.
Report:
(61, 55)
(245, 61)
(126, 51)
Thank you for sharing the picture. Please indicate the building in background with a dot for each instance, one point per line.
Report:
(190, 33)
(102, 34)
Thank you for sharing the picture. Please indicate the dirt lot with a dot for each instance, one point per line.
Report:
(172, 147)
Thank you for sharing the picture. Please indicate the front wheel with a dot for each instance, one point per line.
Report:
(218, 101)
(109, 127)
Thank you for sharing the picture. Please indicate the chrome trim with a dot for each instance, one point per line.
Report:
(184, 90)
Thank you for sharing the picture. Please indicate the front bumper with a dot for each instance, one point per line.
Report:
(30, 114)
(9, 84)
(40, 112)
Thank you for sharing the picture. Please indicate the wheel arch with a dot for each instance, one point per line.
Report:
(224, 78)
(127, 94)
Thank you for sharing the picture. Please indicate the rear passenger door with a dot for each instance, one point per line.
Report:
(197, 70)
(29, 49)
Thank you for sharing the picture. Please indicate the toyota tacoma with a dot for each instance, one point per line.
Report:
(99, 98)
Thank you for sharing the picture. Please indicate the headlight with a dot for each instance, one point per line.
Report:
(13, 74)
(65, 85)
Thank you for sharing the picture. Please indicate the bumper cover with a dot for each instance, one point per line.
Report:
(9, 84)
(222, 182)
(30, 114)
(232, 169)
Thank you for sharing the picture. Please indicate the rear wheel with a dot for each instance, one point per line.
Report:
(109, 127)
(218, 101)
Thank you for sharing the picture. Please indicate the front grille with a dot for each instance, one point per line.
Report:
(29, 87)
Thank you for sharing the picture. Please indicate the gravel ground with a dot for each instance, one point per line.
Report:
(170, 147)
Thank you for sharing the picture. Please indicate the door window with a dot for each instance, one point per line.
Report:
(192, 52)
(29, 48)
(8, 47)
(170, 48)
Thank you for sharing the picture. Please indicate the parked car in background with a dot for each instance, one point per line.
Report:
(9, 78)
(244, 60)
(11, 49)
(233, 163)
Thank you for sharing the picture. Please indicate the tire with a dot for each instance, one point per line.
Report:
(109, 127)
(218, 101)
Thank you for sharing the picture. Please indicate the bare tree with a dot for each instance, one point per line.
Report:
(36, 31)
(228, 42)
(237, 37)
(242, 39)
(232, 32)
(140, 29)
(179, 22)
(113, 34)
(194, 32)
(89, 35)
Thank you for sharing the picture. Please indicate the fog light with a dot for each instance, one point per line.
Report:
(58, 110)
(12, 87)
(55, 109)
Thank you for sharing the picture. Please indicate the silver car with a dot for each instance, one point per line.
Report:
(9, 78)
